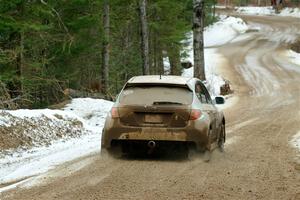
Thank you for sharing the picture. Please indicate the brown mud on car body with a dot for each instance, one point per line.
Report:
(153, 111)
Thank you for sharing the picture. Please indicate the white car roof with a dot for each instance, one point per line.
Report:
(157, 79)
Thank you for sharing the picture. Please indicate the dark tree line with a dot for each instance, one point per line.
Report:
(47, 46)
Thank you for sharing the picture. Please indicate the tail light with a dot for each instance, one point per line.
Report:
(114, 112)
(195, 114)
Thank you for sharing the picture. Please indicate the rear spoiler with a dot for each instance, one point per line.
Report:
(127, 85)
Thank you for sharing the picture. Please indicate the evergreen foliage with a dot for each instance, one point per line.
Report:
(47, 46)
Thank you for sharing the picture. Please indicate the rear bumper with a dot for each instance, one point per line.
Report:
(196, 132)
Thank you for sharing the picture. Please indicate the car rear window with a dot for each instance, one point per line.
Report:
(151, 95)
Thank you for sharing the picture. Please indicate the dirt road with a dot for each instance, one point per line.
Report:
(258, 163)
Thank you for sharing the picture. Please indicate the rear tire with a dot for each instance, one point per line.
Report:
(221, 140)
(207, 152)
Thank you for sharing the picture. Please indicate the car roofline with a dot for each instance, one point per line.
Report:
(156, 84)
(179, 80)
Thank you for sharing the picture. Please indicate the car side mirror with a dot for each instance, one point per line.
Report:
(219, 100)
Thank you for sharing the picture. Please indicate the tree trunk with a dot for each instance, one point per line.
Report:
(105, 50)
(160, 62)
(198, 27)
(155, 53)
(174, 58)
(144, 37)
(214, 10)
(227, 3)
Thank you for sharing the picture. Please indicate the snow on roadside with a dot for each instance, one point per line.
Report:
(286, 12)
(223, 31)
(296, 141)
(293, 57)
(24, 129)
(256, 10)
(24, 163)
(38, 160)
(92, 111)
(290, 12)
(230, 27)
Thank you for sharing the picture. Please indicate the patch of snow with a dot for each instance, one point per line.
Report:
(293, 57)
(4, 119)
(20, 164)
(240, 38)
(288, 35)
(38, 128)
(256, 10)
(288, 59)
(167, 66)
(15, 185)
(92, 111)
(296, 141)
(41, 159)
(221, 7)
(290, 12)
(229, 27)
(252, 70)
(286, 12)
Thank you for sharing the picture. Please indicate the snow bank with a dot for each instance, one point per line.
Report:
(256, 10)
(286, 12)
(92, 111)
(290, 12)
(293, 57)
(23, 129)
(30, 163)
(224, 31)
(57, 136)
(230, 28)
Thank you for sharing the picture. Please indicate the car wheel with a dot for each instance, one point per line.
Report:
(221, 140)
(207, 153)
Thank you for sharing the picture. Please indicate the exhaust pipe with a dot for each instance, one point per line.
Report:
(151, 144)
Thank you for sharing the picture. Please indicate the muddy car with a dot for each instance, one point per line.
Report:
(153, 112)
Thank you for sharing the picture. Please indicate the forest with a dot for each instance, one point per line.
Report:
(50, 48)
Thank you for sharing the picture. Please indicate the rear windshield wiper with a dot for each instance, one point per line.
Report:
(165, 103)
